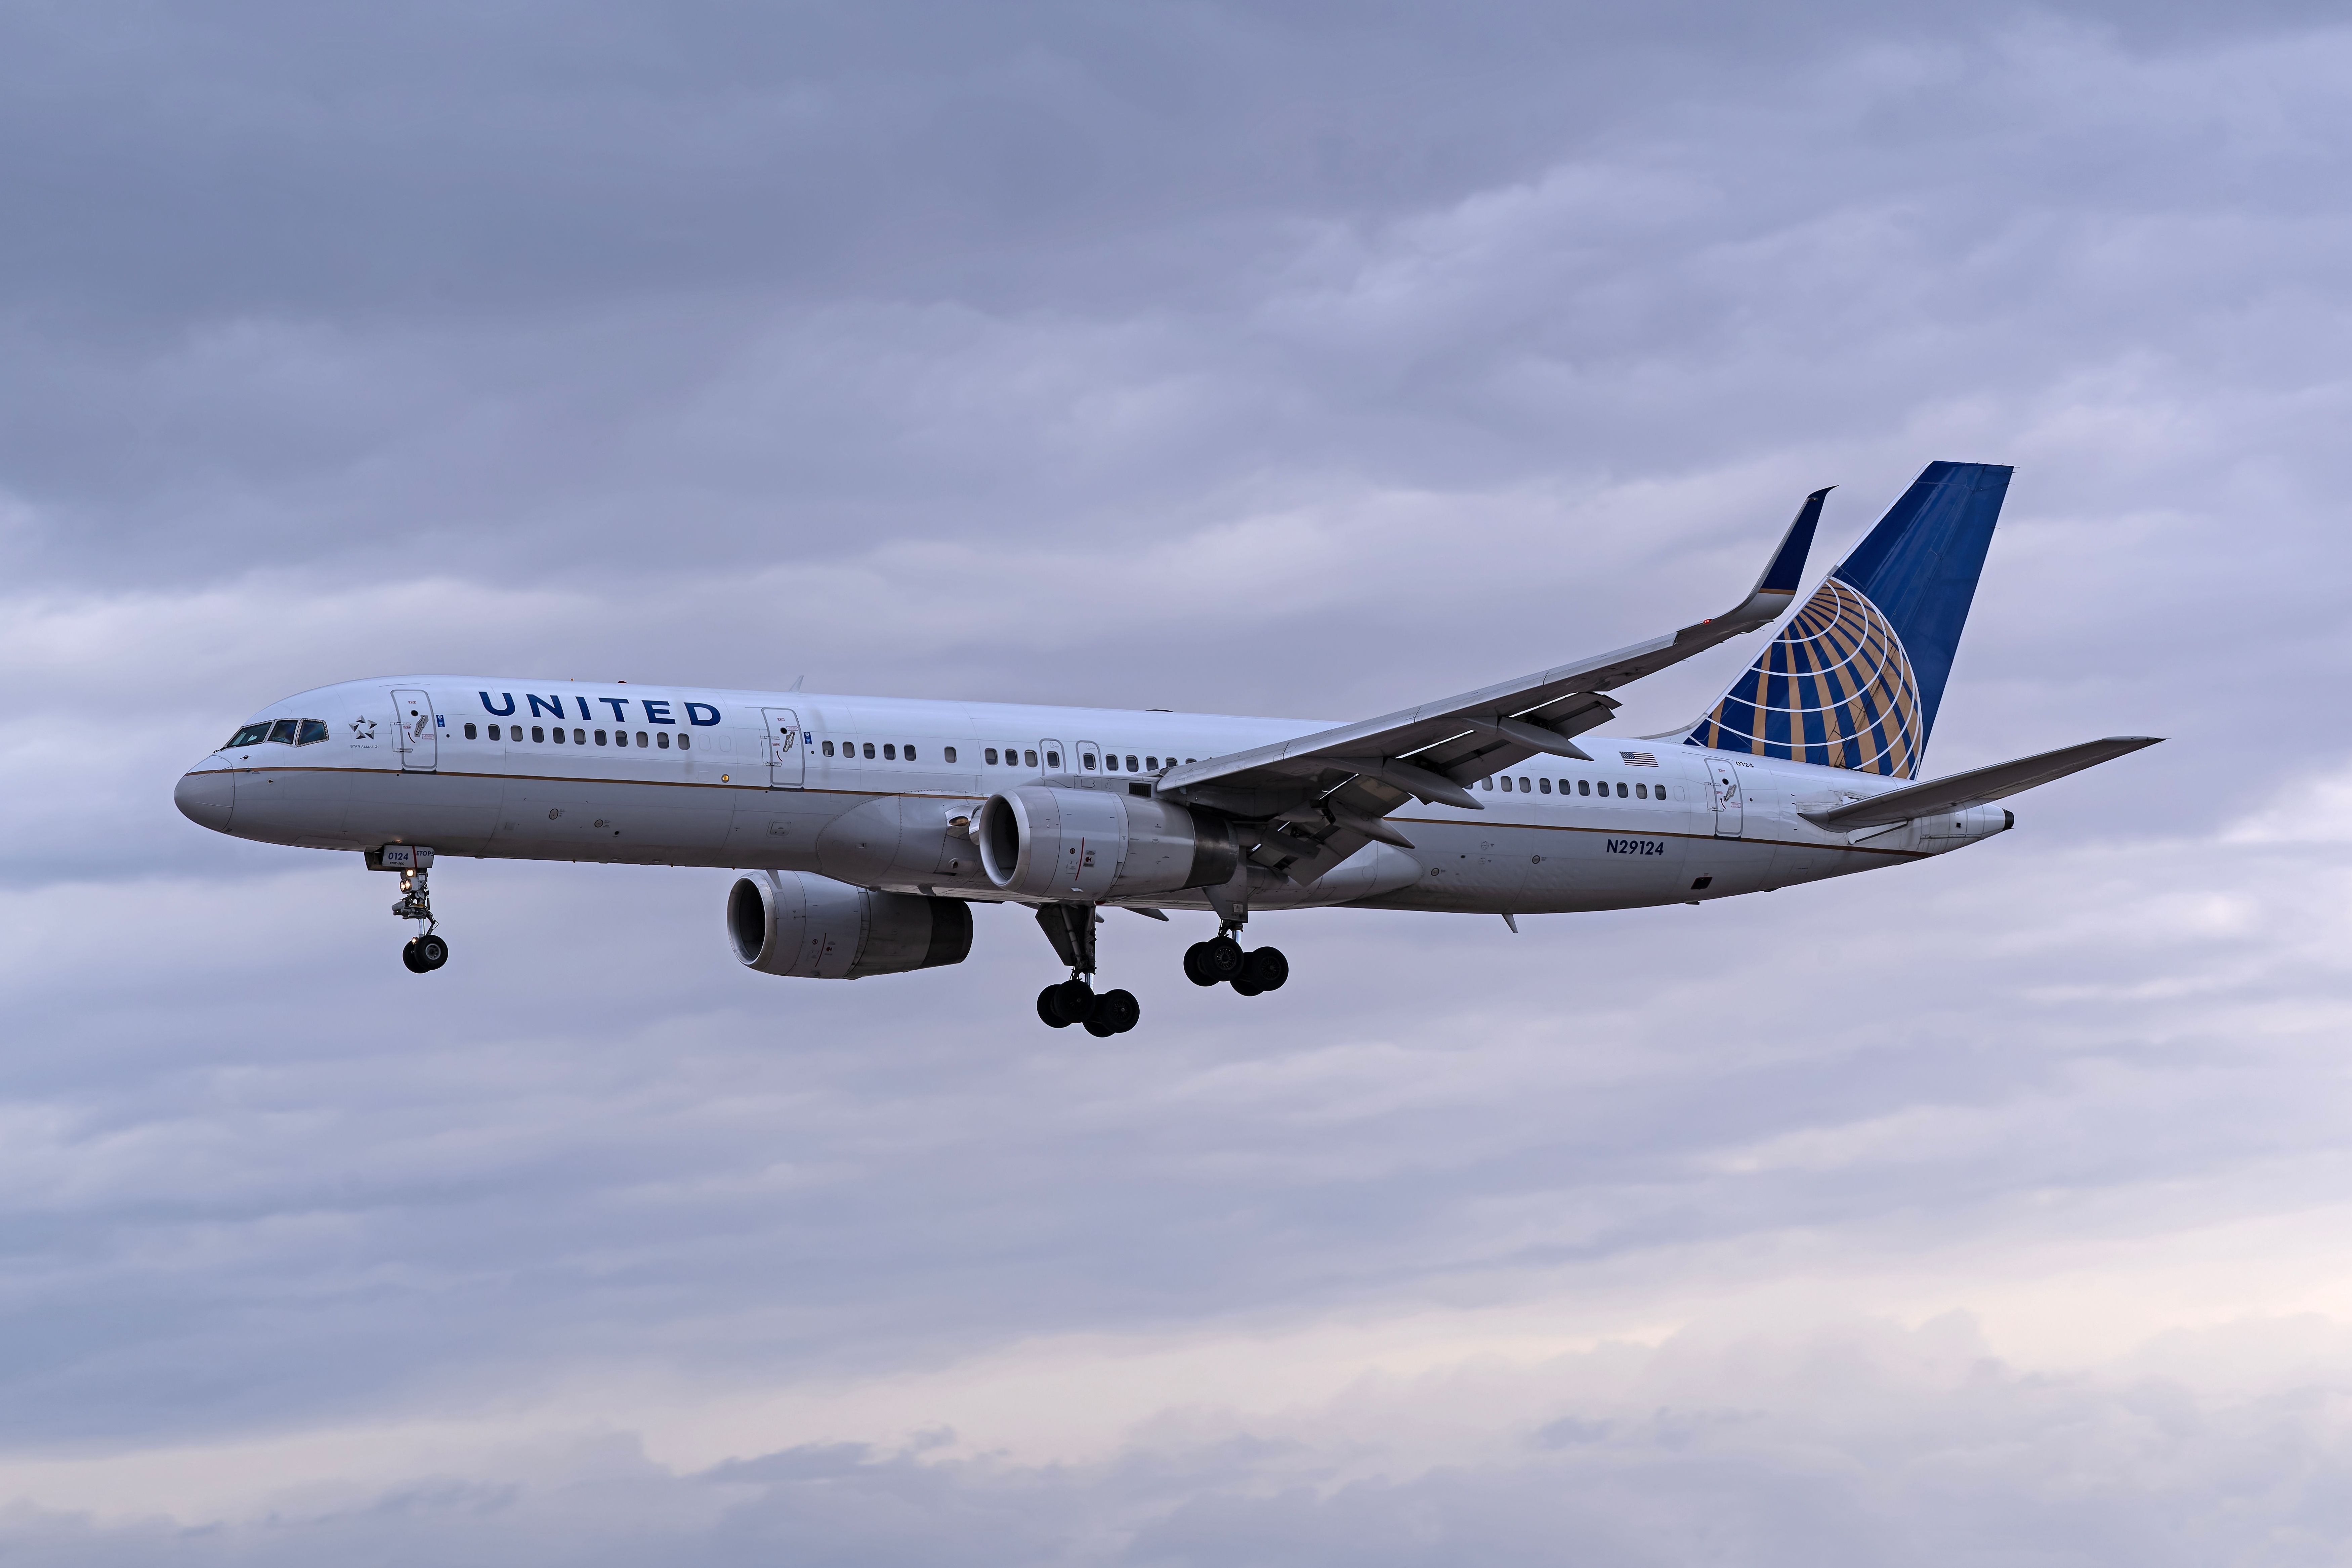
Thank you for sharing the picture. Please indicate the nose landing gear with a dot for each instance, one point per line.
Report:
(425, 951)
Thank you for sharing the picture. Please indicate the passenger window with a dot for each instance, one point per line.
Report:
(828, 748)
(950, 753)
(469, 732)
(1031, 757)
(685, 742)
(869, 751)
(910, 754)
(493, 731)
(1487, 784)
(558, 732)
(603, 739)
(282, 732)
(1584, 786)
(1152, 763)
(1621, 792)
(991, 756)
(1641, 792)
(537, 734)
(620, 737)
(641, 738)
(1543, 785)
(1130, 763)
(579, 737)
(889, 753)
(661, 739)
(1053, 759)
(1086, 761)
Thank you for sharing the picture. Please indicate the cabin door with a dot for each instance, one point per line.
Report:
(1723, 790)
(787, 757)
(419, 739)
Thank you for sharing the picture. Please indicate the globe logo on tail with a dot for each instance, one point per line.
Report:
(1834, 689)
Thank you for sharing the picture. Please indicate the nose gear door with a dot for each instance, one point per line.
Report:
(787, 758)
(418, 739)
(1723, 789)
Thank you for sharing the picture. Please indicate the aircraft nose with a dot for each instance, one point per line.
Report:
(208, 799)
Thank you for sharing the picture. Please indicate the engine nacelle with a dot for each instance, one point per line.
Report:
(1086, 845)
(791, 922)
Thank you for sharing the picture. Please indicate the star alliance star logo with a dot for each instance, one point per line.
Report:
(362, 729)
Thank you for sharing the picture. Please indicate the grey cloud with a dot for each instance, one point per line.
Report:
(1853, 1443)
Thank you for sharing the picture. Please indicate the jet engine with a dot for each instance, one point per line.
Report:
(791, 922)
(1085, 846)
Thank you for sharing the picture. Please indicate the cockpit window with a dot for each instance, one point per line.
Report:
(251, 735)
(313, 731)
(283, 731)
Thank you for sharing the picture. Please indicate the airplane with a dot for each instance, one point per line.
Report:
(865, 827)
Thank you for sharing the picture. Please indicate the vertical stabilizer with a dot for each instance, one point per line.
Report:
(1855, 678)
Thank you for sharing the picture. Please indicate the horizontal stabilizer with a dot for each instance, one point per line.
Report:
(1977, 787)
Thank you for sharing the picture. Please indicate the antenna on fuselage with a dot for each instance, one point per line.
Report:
(796, 681)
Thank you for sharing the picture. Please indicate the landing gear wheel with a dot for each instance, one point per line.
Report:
(1265, 969)
(1195, 965)
(1115, 1011)
(1220, 959)
(432, 952)
(1244, 986)
(1048, 1010)
(408, 956)
(1072, 1000)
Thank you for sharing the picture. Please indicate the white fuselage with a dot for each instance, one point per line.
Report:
(873, 789)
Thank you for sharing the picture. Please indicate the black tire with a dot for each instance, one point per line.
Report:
(1100, 1028)
(1266, 968)
(408, 956)
(432, 952)
(1196, 969)
(1243, 986)
(1047, 1011)
(1222, 958)
(1073, 999)
(1118, 1009)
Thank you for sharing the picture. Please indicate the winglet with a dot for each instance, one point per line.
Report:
(1776, 590)
(1785, 575)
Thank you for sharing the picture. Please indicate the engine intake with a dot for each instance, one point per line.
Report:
(1088, 845)
(791, 922)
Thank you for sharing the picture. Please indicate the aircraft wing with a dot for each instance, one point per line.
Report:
(1977, 786)
(1321, 796)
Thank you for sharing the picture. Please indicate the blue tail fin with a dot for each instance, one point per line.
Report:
(1854, 679)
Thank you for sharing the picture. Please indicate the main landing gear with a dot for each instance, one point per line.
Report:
(425, 951)
(1071, 929)
(1220, 960)
(1074, 1001)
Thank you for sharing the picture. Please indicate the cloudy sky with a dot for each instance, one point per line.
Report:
(1297, 358)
